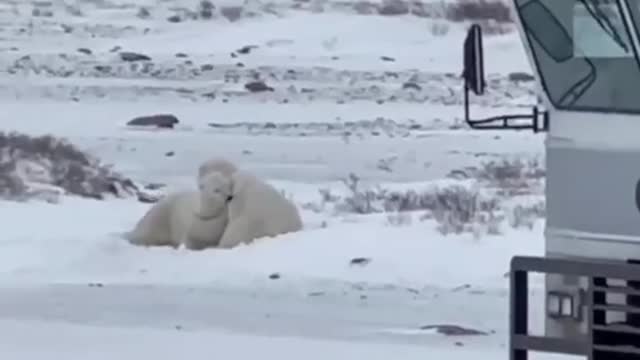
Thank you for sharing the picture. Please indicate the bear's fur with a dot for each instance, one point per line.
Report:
(216, 164)
(195, 219)
(257, 210)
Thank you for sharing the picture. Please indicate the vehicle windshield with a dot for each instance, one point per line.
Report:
(585, 52)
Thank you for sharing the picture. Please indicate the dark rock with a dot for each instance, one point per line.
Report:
(453, 330)
(520, 76)
(206, 67)
(274, 276)
(411, 85)
(387, 58)
(157, 120)
(133, 56)
(85, 51)
(257, 86)
(154, 186)
(246, 49)
(181, 55)
(359, 261)
(102, 68)
(174, 19)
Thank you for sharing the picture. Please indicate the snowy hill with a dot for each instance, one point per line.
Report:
(353, 109)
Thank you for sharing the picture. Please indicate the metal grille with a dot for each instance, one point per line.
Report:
(603, 340)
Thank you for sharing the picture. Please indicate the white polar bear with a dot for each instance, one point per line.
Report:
(257, 210)
(195, 219)
(216, 164)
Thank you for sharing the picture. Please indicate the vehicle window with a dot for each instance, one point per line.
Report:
(584, 54)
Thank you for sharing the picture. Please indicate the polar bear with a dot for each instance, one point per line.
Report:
(257, 210)
(195, 219)
(216, 164)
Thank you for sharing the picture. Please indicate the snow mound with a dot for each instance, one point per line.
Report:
(46, 167)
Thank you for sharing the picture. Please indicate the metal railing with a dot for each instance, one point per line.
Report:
(602, 341)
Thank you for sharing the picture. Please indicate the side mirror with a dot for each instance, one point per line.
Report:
(473, 75)
(473, 72)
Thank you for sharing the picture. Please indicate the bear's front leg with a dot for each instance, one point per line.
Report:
(237, 232)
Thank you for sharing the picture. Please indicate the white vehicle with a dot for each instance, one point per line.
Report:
(585, 57)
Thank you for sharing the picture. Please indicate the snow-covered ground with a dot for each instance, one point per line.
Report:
(377, 96)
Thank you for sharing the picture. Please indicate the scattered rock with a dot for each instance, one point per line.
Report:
(154, 186)
(453, 330)
(246, 49)
(133, 56)
(99, 285)
(520, 76)
(157, 120)
(411, 86)
(102, 68)
(359, 261)
(257, 86)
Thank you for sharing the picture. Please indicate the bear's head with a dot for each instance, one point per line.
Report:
(215, 193)
(216, 164)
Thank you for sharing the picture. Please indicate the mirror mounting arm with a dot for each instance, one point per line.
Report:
(539, 120)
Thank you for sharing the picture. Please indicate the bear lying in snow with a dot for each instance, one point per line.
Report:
(195, 219)
(256, 209)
